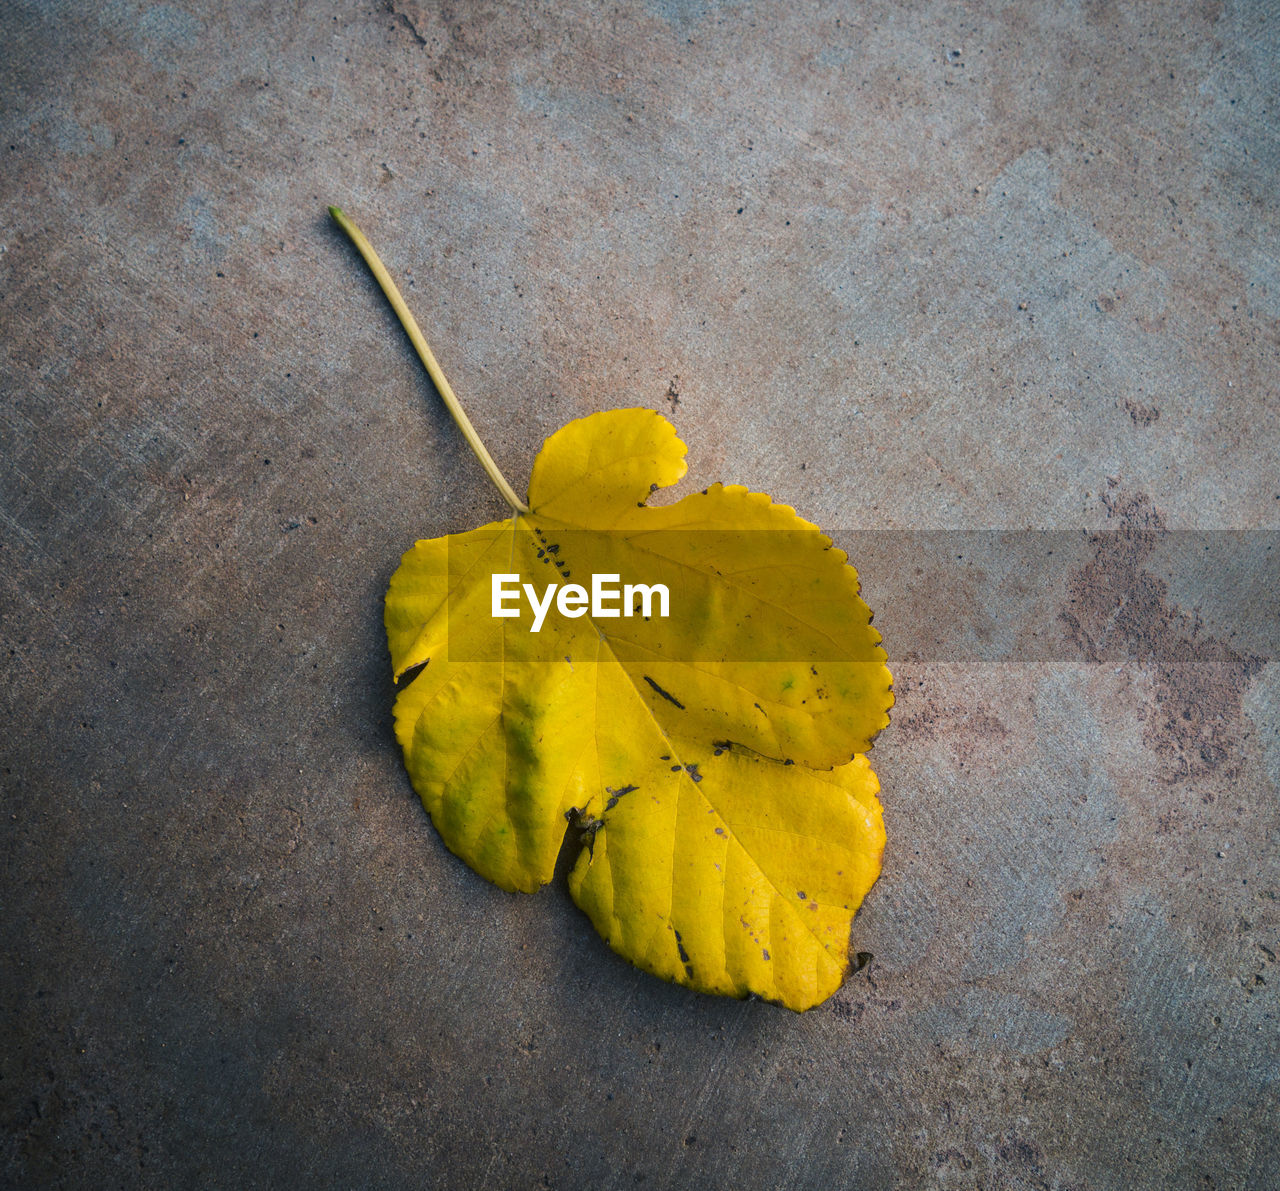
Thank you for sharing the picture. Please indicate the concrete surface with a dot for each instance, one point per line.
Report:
(924, 266)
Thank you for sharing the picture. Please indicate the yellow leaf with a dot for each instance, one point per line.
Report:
(714, 854)
(709, 761)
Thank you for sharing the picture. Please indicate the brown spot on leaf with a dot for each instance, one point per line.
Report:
(684, 955)
(614, 795)
(670, 698)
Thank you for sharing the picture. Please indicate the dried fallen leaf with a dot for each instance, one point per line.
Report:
(710, 761)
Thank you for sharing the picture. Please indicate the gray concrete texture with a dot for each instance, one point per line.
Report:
(917, 266)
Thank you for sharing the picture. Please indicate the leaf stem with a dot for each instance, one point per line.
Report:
(410, 324)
